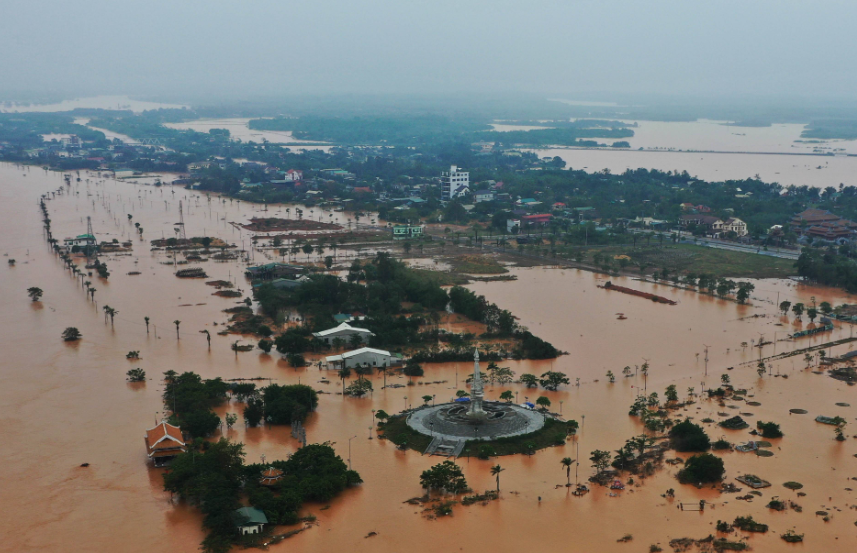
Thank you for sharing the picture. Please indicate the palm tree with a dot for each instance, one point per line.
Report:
(344, 373)
(91, 293)
(106, 310)
(112, 312)
(567, 462)
(495, 471)
(147, 324)
(177, 323)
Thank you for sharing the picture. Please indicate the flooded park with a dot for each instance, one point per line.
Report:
(68, 404)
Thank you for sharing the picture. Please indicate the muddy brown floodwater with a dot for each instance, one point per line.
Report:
(67, 404)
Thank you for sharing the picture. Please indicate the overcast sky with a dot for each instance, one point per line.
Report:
(569, 48)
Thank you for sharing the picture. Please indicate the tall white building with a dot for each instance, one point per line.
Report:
(453, 184)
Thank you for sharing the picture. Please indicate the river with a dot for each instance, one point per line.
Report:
(67, 404)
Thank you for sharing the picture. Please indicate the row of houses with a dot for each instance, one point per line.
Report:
(715, 227)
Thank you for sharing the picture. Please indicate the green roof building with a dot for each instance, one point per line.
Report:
(249, 520)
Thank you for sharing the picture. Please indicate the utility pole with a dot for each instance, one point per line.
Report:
(349, 451)
(706, 359)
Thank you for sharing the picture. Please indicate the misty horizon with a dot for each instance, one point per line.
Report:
(616, 51)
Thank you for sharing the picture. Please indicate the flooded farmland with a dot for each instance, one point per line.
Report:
(68, 404)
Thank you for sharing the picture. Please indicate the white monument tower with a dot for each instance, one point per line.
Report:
(476, 394)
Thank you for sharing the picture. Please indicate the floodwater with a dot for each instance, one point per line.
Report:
(239, 129)
(809, 170)
(67, 404)
(716, 151)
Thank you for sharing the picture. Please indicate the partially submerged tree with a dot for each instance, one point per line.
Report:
(71, 334)
(446, 476)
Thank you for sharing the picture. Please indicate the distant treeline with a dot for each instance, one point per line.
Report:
(430, 129)
(845, 129)
(405, 130)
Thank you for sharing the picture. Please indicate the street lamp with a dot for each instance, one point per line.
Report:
(371, 424)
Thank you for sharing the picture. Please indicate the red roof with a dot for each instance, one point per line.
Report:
(363, 189)
(165, 436)
(539, 218)
(270, 476)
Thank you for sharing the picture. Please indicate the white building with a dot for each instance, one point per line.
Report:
(454, 184)
(512, 224)
(363, 357)
(344, 332)
(80, 242)
(483, 196)
(293, 175)
(737, 226)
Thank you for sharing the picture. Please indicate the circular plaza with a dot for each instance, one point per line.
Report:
(455, 421)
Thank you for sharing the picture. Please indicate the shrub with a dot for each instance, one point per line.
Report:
(687, 436)
(701, 469)
(749, 525)
(136, 375)
(769, 429)
(792, 537)
(485, 452)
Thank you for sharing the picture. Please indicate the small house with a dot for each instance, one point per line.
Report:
(163, 443)
(483, 196)
(249, 520)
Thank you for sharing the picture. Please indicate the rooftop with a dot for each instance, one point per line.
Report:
(164, 436)
(343, 326)
(249, 516)
(352, 353)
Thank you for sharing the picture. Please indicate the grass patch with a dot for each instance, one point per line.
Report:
(397, 431)
(442, 278)
(687, 258)
(477, 265)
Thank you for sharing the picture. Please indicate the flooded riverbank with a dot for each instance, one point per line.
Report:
(67, 404)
